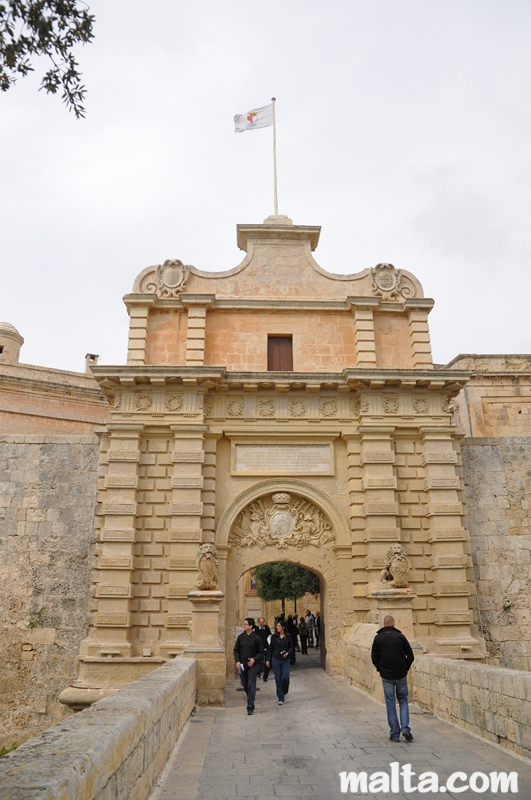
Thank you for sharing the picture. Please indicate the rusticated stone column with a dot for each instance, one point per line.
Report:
(185, 534)
(111, 624)
(453, 616)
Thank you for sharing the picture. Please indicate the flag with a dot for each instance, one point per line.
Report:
(256, 118)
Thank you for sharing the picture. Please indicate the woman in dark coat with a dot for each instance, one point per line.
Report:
(278, 657)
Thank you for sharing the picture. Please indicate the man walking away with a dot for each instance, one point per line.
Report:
(392, 656)
(248, 655)
(264, 632)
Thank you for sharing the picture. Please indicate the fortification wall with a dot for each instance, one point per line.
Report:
(497, 478)
(115, 750)
(47, 499)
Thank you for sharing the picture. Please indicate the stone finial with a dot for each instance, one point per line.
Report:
(207, 566)
(397, 566)
(10, 343)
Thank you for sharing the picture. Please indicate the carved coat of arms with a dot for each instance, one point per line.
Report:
(387, 282)
(279, 520)
(170, 279)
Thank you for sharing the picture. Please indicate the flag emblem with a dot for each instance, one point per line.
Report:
(256, 118)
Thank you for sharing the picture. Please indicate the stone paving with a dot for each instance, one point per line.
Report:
(296, 751)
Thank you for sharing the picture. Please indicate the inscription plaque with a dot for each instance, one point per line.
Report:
(283, 459)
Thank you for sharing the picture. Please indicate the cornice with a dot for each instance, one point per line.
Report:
(350, 379)
(350, 303)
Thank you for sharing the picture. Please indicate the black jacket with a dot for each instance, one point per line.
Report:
(249, 645)
(263, 633)
(391, 653)
(279, 645)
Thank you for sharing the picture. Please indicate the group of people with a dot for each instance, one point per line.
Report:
(257, 651)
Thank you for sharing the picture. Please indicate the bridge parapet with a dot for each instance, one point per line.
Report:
(113, 750)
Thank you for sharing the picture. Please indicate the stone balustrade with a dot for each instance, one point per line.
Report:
(114, 750)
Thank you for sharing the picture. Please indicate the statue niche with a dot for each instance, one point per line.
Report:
(279, 520)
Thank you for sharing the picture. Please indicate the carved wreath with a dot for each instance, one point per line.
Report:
(277, 520)
(170, 278)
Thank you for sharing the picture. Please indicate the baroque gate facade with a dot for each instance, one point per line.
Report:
(278, 412)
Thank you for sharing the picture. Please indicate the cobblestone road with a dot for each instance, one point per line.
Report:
(297, 751)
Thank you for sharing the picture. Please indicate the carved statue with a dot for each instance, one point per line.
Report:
(397, 566)
(207, 565)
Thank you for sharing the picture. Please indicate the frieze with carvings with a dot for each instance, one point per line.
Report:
(266, 408)
(280, 520)
(170, 279)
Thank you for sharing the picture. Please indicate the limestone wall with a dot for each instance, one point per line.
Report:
(47, 497)
(497, 477)
(114, 750)
(491, 702)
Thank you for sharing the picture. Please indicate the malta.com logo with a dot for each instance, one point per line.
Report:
(403, 779)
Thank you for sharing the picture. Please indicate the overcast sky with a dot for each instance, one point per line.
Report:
(404, 130)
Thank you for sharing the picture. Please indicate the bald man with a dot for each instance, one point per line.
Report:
(392, 656)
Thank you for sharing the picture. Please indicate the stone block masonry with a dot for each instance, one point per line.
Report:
(47, 498)
(114, 750)
(497, 480)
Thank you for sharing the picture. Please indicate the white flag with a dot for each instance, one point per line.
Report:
(257, 118)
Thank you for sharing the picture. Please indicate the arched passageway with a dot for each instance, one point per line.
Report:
(285, 520)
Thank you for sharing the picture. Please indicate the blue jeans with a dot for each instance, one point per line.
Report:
(281, 670)
(400, 686)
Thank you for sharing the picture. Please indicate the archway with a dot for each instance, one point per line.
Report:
(285, 520)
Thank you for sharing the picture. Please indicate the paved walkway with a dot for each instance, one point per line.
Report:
(297, 751)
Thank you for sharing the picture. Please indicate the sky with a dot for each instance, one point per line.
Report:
(403, 129)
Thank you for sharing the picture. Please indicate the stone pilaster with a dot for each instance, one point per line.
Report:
(453, 615)
(195, 336)
(110, 632)
(361, 603)
(420, 339)
(208, 497)
(186, 534)
(138, 330)
(364, 337)
(380, 507)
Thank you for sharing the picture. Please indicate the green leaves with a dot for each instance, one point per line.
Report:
(283, 580)
(45, 28)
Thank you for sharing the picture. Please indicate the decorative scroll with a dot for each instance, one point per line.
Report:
(277, 520)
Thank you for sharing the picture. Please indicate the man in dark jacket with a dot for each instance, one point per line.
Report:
(264, 632)
(248, 655)
(392, 656)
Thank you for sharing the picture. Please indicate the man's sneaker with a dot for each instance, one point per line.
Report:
(250, 711)
(281, 702)
(392, 739)
(408, 736)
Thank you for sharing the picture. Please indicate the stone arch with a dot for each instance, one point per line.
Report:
(236, 559)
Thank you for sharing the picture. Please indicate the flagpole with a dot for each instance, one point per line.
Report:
(273, 100)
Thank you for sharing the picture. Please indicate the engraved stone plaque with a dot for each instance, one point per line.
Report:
(283, 459)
